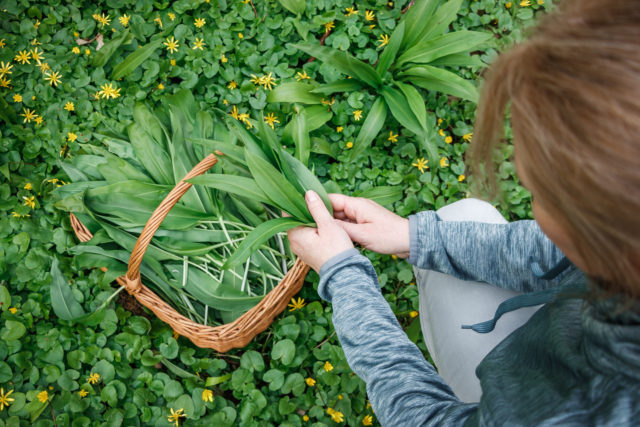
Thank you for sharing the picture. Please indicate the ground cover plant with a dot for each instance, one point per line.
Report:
(71, 72)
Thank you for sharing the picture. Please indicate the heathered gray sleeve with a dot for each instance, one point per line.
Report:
(500, 254)
(404, 389)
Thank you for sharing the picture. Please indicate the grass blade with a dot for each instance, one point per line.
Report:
(134, 59)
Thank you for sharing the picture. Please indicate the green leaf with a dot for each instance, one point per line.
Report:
(12, 330)
(384, 195)
(229, 150)
(344, 85)
(370, 128)
(295, 6)
(150, 123)
(212, 381)
(239, 185)
(344, 62)
(284, 350)
(438, 22)
(460, 60)
(300, 135)
(416, 103)
(447, 44)
(413, 330)
(152, 156)
(433, 78)
(134, 59)
(307, 180)
(9, 115)
(62, 300)
(401, 110)
(104, 54)
(416, 17)
(257, 237)
(391, 50)
(294, 92)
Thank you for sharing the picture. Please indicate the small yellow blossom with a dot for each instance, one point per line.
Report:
(13, 310)
(270, 119)
(2, 44)
(171, 44)
(102, 19)
(76, 50)
(340, 397)
(71, 136)
(23, 57)
(87, 52)
(36, 55)
(223, 58)
(296, 304)
(444, 162)
(268, 81)
(83, 393)
(38, 120)
(171, 15)
(508, 5)
(4, 82)
(413, 314)
(392, 137)
(367, 420)
(17, 215)
(225, 102)
(329, 26)
(461, 178)
(439, 122)
(383, 40)
(5, 400)
(44, 67)
(448, 139)
(310, 382)
(28, 115)
(28, 186)
(43, 396)
(421, 164)
(5, 68)
(158, 20)
(124, 20)
(160, 86)
(108, 91)
(198, 44)
(94, 378)
(173, 62)
(540, 2)
(35, 42)
(369, 15)
(336, 416)
(525, 3)
(302, 76)
(232, 85)
(37, 23)
(441, 132)
(305, 418)
(328, 367)
(175, 416)
(339, 129)
(467, 136)
(234, 113)
(349, 144)
(207, 395)
(17, 98)
(357, 115)
(351, 11)
(53, 78)
(199, 22)
(328, 102)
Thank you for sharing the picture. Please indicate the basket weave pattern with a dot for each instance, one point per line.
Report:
(223, 338)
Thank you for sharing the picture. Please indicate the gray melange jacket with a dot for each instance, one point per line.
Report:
(573, 363)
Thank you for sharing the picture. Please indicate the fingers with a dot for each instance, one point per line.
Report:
(318, 210)
(354, 208)
(356, 232)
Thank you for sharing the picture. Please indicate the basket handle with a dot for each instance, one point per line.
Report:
(132, 278)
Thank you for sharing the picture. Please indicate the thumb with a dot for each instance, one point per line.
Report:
(317, 209)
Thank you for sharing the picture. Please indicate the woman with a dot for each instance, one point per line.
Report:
(573, 357)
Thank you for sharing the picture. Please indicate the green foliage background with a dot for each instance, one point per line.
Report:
(144, 371)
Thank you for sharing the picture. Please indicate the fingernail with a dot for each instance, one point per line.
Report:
(311, 196)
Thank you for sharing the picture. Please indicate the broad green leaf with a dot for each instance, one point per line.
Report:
(416, 103)
(307, 180)
(300, 135)
(344, 85)
(433, 78)
(251, 143)
(401, 110)
(149, 123)
(415, 19)
(294, 92)
(447, 44)
(257, 237)
(460, 60)
(384, 195)
(370, 128)
(294, 6)
(269, 141)
(104, 54)
(438, 22)
(344, 62)
(154, 159)
(239, 185)
(391, 50)
(62, 300)
(229, 150)
(134, 59)
(8, 114)
(315, 116)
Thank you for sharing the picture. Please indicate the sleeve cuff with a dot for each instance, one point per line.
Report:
(336, 259)
(413, 239)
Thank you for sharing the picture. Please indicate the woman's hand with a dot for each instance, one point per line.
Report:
(371, 225)
(315, 246)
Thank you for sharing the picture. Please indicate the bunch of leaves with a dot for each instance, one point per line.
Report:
(413, 56)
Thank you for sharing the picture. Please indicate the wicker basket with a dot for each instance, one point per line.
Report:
(220, 338)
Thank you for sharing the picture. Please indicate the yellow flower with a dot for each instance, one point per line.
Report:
(175, 416)
(53, 78)
(28, 115)
(5, 400)
(357, 115)
(36, 55)
(108, 91)
(270, 119)
(87, 52)
(225, 102)
(448, 139)
(367, 421)
(302, 76)
(94, 378)
(38, 120)
(223, 58)
(44, 67)
(207, 395)
(413, 314)
(369, 15)
(43, 396)
(234, 113)
(392, 137)
(305, 418)
(158, 21)
(525, 3)
(124, 20)
(310, 382)
(296, 304)
(340, 397)
(171, 44)
(76, 50)
(198, 44)
(83, 393)
(540, 2)
(13, 310)
(102, 19)
(268, 81)
(325, 102)
(4, 82)
(336, 416)
(199, 22)
(349, 144)
(421, 164)
(444, 162)
(383, 40)
(160, 86)
(2, 44)
(508, 5)
(328, 26)
(28, 186)
(173, 62)
(441, 132)
(351, 11)
(5, 68)
(240, 35)
(467, 136)
(232, 85)
(461, 178)
(439, 122)
(339, 129)
(172, 16)
(23, 57)
(37, 23)
(17, 98)
(328, 367)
